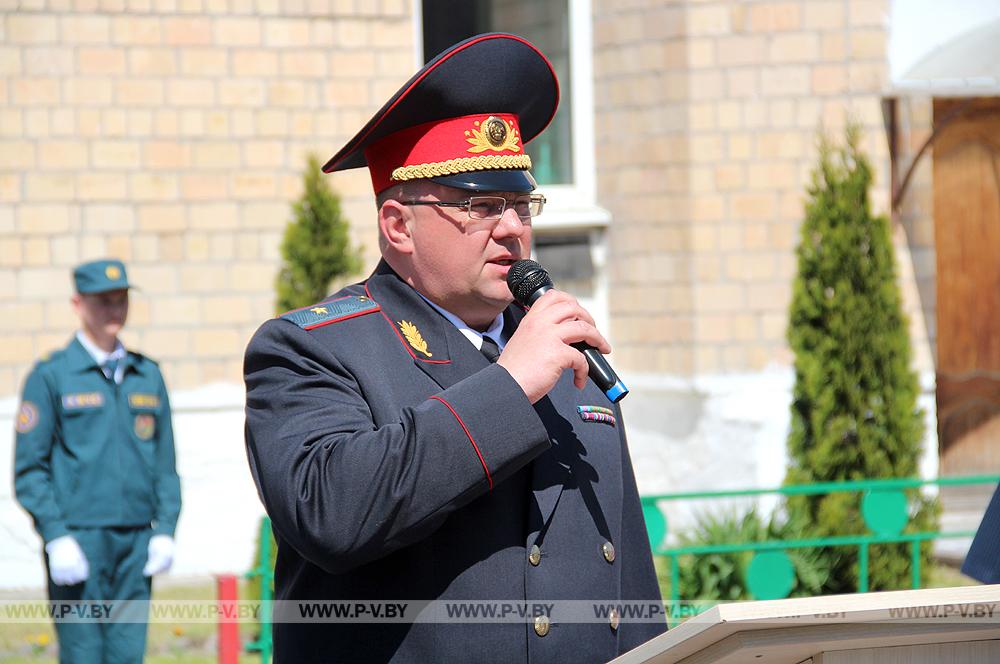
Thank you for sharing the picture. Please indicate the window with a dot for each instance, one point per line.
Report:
(545, 24)
(569, 236)
(568, 260)
(575, 261)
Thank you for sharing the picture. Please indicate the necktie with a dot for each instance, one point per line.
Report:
(110, 368)
(490, 350)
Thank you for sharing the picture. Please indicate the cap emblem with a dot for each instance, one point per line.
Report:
(493, 134)
(112, 272)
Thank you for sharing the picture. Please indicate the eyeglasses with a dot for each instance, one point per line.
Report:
(491, 208)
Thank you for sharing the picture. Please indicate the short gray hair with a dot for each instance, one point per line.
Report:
(401, 191)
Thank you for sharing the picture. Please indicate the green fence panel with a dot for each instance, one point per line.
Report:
(263, 570)
(884, 507)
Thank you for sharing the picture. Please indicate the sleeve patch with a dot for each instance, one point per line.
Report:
(324, 313)
(145, 426)
(27, 417)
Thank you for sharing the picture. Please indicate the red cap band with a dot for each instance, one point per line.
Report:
(477, 142)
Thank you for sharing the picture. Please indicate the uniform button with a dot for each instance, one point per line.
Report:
(535, 555)
(614, 619)
(542, 625)
(608, 549)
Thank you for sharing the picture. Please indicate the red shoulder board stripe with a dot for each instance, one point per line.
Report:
(333, 311)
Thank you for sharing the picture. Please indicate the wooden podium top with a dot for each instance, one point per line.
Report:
(790, 631)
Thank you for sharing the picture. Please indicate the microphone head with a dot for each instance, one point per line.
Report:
(524, 279)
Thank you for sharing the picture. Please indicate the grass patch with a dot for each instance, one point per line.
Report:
(946, 576)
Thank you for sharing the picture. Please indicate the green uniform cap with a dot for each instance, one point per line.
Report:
(100, 276)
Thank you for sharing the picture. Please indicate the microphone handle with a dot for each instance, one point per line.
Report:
(600, 370)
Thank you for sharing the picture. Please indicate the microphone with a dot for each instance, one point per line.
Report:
(528, 281)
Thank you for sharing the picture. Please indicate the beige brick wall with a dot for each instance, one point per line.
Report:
(707, 116)
(172, 134)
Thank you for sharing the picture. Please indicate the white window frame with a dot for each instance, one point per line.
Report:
(573, 207)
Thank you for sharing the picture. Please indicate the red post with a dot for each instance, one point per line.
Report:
(229, 623)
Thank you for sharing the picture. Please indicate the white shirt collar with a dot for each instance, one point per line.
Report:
(494, 331)
(100, 356)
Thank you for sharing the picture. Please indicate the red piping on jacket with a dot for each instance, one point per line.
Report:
(348, 316)
(471, 439)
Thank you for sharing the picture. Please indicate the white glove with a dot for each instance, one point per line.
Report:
(67, 564)
(160, 556)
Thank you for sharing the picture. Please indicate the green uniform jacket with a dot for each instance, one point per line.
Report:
(91, 453)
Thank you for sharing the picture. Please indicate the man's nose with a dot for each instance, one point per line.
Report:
(510, 224)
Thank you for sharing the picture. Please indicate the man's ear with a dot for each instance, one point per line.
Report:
(77, 301)
(394, 226)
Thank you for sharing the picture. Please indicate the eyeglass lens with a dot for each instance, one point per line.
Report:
(492, 207)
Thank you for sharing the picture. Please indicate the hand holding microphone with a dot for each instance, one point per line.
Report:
(556, 334)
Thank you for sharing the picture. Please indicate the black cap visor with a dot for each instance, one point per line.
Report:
(485, 181)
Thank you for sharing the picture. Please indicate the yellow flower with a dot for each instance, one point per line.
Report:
(42, 639)
(178, 630)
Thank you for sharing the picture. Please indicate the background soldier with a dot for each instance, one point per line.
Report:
(94, 466)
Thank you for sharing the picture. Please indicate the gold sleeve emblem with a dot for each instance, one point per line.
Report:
(414, 337)
(493, 134)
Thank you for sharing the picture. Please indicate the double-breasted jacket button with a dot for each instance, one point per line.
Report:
(608, 549)
(542, 625)
(535, 555)
(614, 619)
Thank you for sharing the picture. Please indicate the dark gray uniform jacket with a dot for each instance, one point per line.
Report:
(983, 561)
(395, 473)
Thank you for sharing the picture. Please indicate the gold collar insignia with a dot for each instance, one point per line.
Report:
(414, 337)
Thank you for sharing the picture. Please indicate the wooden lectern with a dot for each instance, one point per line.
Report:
(953, 625)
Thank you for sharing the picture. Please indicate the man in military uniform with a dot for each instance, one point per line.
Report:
(94, 467)
(418, 437)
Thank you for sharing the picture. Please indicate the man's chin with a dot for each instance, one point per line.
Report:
(498, 304)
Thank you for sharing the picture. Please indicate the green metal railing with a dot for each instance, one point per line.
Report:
(883, 507)
(265, 573)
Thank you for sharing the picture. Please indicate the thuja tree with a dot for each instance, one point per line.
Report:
(316, 248)
(854, 409)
